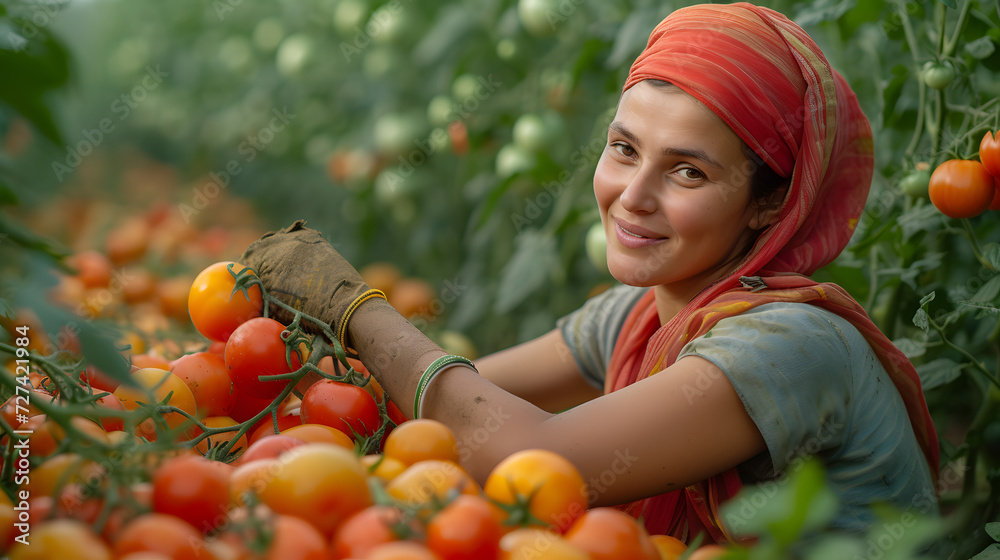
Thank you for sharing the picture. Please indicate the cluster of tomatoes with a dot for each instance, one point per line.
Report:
(260, 446)
(962, 188)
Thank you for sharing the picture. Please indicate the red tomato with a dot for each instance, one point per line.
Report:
(215, 310)
(609, 534)
(165, 534)
(321, 483)
(961, 188)
(365, 530)
(92, 268)
(194, 489)
(551, 486)
(99, 380)
(347, 407)
(248, 406)
(256, 348)
(266, 425)
(111, 423)
(989, 153)
(208, 378)
(465, 529)
(269, 447)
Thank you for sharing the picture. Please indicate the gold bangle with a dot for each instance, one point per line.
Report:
(342, 327)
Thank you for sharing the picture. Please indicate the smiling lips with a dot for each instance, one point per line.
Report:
(632, 236)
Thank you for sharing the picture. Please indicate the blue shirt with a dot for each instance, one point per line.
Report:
(811, 384)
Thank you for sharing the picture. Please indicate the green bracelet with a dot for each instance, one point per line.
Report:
(432, 370)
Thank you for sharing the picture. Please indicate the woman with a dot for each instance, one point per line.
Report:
(737, 163)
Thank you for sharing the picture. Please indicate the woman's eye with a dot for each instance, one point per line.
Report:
(623, 149)
(691, 173)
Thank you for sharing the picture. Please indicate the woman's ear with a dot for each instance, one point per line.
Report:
(766, 210)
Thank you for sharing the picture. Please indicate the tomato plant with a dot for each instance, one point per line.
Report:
(156, 386)
(257, 348)
(215, 310)
(961, 188)
(347, 407)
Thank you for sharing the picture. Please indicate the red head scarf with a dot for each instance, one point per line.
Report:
(766, 78)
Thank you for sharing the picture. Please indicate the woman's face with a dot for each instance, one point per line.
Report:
(673, 187)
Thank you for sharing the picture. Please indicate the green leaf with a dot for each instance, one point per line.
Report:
(910, 347)
(993, 530)
(630, 39)
(823, 10)
(950, 3)
(892, 91)
(988, 292)
(527, 269)
(100, 350)
(991, 251)
(927, 299)
(920, 319)
(981, 48)
(936, 373)
(991, 552)
(5, 309)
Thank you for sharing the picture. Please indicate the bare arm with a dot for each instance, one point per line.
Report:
(677, 427)
(540, 371)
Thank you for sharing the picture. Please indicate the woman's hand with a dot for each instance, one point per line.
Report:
(300, 268)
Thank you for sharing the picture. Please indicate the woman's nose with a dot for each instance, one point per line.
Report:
(639, 194)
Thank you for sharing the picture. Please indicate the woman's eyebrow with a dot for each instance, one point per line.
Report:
(669, 151)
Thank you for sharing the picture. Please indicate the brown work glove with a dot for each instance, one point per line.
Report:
(300, 268)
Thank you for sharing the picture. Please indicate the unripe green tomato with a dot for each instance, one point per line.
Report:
(465, 87)
(440, 110)
(916, 183)
(597, 247)
(349, 15)
(938, 75)
(538, 16)
(512, 159)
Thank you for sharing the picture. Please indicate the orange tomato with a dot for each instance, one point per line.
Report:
(961, 188)
(365, 530)
(669, 547)
(61, 538)
(530, 542)
(419, 440)
(318, 433)
(218, 439)
(251, 476)
(609, 534)
(164, 534)
(426, 481)
(215, 310)
(551, 486)
(465, 530)
(320, 482)
(156, 385)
